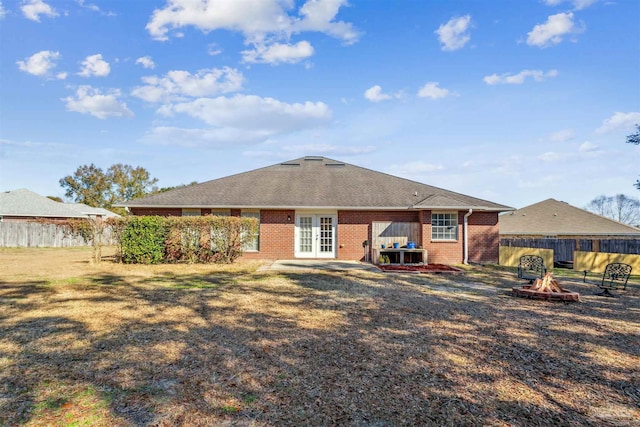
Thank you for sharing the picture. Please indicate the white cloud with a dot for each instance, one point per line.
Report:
(577, 4)
(3, 11)
(252, 112)
(417, 167)
(264, 23)
(318, 15)
(433, 91)
(588, 147)
(553, 31)
(454, 34)
(31, 144)
(550, 156)
(176, 84)
(374, 94)
(41, 63)
(563, 135)
(213, 49)
(517, 79)
(61, 75)
(327, 149)
(33, 9)
(619, 121)
(94, 8)
(256, 19)
(278, 53)
(92, 101)
(94, 65)
(208, 137)
(146, 62)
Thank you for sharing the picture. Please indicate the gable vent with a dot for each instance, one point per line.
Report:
(313, 158)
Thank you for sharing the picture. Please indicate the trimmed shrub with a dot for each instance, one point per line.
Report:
(150, 240)
(142, 240)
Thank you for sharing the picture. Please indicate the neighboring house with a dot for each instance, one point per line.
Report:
(564, 228)
(23, 206)
(315, 207)
(89, 211)
(553, 219)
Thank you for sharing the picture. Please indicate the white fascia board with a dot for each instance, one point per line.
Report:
(343, 208)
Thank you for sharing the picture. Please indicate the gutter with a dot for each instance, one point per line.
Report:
(306, 207)
(466, 236)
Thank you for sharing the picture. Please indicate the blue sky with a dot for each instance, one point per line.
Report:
(511, 101)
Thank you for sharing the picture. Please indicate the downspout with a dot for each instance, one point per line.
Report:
(466, 236)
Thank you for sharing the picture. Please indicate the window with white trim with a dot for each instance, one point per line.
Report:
(254, 244)
(444, 226)
(221, 212)
(191, 212)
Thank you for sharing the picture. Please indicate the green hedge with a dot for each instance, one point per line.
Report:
(142, 240)
(154, 239)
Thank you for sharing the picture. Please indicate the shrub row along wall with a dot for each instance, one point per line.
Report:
(155, 239)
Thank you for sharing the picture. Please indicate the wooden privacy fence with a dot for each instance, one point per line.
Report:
(563, 249)
(388, 232)
(34, 234)
(510, 256)
(596, 262)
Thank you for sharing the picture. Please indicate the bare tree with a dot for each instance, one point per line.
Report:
(621, 208)
(634, 138)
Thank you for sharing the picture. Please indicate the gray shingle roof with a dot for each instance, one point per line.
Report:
(25, 203)
(553, 218)
(314, 182)
(87, 210)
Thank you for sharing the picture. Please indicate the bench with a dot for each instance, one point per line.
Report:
(615, 276)
(531, 267)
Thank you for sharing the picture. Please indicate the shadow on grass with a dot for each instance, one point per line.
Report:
(317, 348)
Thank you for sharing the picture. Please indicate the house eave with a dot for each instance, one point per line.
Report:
(307, 207)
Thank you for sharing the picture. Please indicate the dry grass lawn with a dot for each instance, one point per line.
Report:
(115, 345)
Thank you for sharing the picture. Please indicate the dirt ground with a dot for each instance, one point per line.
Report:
(111, 344)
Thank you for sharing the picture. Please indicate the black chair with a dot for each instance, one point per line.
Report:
(531, 267)
(615, 276)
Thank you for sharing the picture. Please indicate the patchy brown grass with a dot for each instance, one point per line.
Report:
(108, 344)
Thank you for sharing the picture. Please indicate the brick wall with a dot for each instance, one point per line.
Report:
(443, 252)
(354, 227)
(484, 238)
(277, 229)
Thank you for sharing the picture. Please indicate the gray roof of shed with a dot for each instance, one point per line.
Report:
(314, 182)
(553, 218)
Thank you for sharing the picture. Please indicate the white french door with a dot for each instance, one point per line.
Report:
(315, 235)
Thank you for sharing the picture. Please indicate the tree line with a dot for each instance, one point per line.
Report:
(120, 183)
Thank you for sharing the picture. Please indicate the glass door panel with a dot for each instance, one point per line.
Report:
(326, 235)
(305, 241)
(315, 236)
